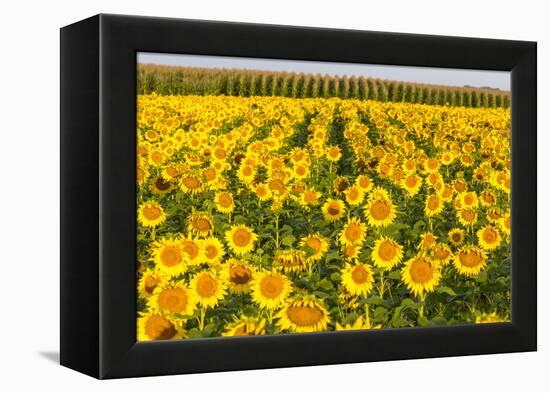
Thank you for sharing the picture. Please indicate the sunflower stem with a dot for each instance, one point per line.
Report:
(277, 231)
(201, 318)
(153, 233)
(367, 317)
(381, 287)
(421, 306)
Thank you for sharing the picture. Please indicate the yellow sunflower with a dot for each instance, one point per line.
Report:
(357, 278)
(469, 260)
(411, 183)
(302, 315)
(160, 186)
(309, 197)
(224, 202)
(354, 195)
(191, 183)
(316, 246)
(387, 253)
(427, 241)
(433, 206)
(490, 318)
(200, 224)
(467, 217)
(241, 239)
(468, 200)
(420, 275)
(239, 275)
(192, 250)
(208, 288)
(245, 326)
(334, 153)
(212, 250)
(149, 280)
(333, 209)
(174, 298)
(151, 214)
(353, 232)
(168, 255)
(456, 236)
(488, 237)
(270, 289)
(364, 183)
(359, 324)
(441, 254)
(155, 326)
(380, 212)
(504, 224)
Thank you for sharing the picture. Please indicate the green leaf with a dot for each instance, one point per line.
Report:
(194, 333)
(423, 321)
(325, 284)
(288, 240)
(447, 290)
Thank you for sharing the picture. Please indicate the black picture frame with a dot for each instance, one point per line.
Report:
(98, 207)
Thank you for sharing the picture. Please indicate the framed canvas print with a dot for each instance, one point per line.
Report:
(238, 196)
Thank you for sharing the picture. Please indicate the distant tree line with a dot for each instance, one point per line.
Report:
(207, 81)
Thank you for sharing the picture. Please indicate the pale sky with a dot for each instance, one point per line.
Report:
(439, 76)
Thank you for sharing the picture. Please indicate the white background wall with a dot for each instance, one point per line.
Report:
(29, 196)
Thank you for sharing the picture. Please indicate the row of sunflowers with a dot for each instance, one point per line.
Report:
(267, 215)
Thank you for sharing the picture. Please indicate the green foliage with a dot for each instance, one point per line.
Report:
(202, 81)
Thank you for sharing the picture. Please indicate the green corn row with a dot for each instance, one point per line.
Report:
(166, 80)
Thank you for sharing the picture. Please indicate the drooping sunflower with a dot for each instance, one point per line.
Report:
(245, 326)
(160, 186)
(387, 253)
(456, 236)
(290, 260)
(270, 289)
(168, 255)
(333, 210)
(224, 202)
(241, 239)
(173, 298)
(420, 275)
(467, 217)
(155, 326)
(469, 260)
(487, 198)
(212, 250)
(303, 314)
(353, 232)
(149, 280)
(208, 288)
(151, 214)
(316, 246)
(357, 278)
(200, 224)
(427, 241)
(488, 237)
(433, 206)
(441, 254)
(191, 183)
(239, 275)
(380, 211)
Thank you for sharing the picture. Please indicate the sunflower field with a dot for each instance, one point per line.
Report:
(268, 215)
